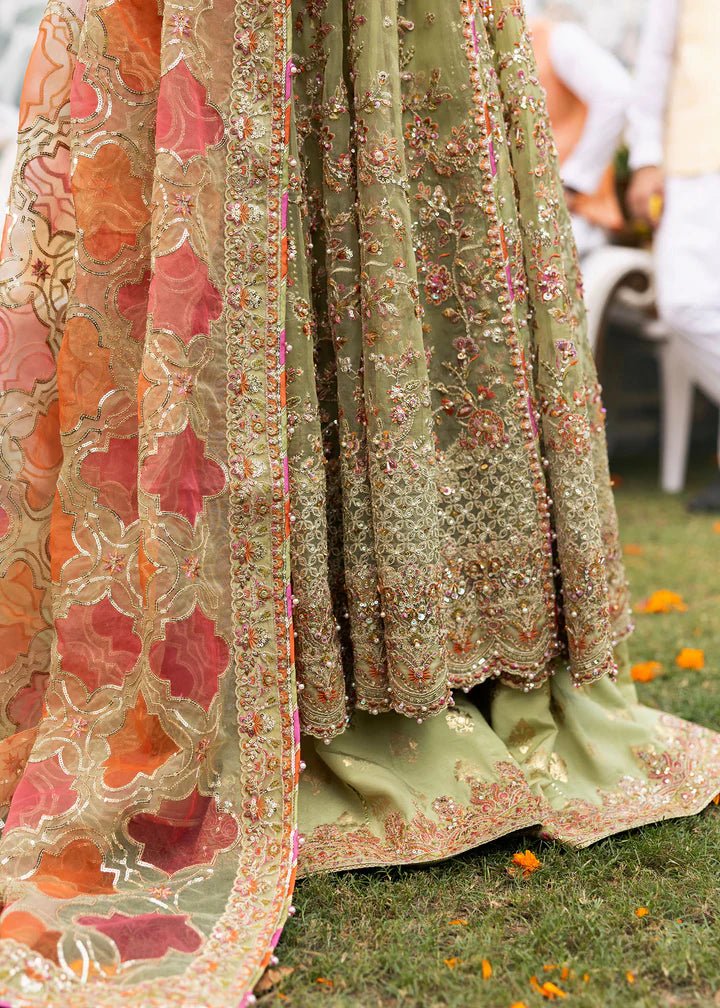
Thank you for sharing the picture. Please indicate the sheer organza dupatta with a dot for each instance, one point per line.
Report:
(150, 745)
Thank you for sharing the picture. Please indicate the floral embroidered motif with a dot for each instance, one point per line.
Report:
(679, 776)
(454, 392)
(493, 810)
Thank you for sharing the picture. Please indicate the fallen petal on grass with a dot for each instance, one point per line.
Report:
(646, 671)
(458, 922)
(272, 977)
(662, 601)
(630, 977)
(642, 912)
(324, 981)
(691, 658)
(548, 990)
(525, 861)
(487, 970)
(452, 962)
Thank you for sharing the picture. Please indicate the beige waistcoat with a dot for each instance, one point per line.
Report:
(692, 143)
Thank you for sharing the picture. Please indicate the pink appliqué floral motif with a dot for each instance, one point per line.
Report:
(183, 833)
(196, 476)
(186, 124)
(191, 657)
(45, 789)
(113, 474)
(98, 644)
(182, 297)
(145, 936)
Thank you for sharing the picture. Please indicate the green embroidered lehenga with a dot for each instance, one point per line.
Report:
(309, 552)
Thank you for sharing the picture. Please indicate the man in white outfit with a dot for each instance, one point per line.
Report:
(588, 91)
(675, 156)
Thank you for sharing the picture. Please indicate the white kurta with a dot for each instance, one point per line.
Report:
(603, 84)
(688, 240)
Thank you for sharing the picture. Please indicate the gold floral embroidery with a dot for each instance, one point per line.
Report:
(493, 809)
(677, 781)
(460, 722)
(439, 378)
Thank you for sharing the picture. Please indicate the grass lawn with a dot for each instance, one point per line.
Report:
(381, 938)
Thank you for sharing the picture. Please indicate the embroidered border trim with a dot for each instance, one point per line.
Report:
(680, 780)
(495, 809)
(511, 673)
(261, 589)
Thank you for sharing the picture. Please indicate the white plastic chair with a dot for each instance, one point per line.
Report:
(612, 271)
(627, 274)
(679, 386)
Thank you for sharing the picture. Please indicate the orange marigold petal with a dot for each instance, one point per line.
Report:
(662, 601)
(691, 658)
(645, 671)
(548, 990)
(527, 861)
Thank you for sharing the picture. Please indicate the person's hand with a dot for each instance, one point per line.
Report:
(601, 211)
(645, 194)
